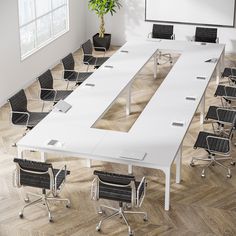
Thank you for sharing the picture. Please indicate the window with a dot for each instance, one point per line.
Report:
(40, 22)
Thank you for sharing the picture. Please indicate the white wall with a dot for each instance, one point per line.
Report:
(129, 23)
(16, 74)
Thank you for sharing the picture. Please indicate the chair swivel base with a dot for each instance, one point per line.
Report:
(119, 212)
(167, 56)
(212, 161)
(44, 199)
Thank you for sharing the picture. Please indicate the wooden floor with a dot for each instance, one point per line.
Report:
(198, 206)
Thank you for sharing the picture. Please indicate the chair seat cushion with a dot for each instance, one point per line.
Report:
(218, 145)
(97, 61)
(49, 95)
(84, 75)
(34, 118)
(101, 60)
(71, 75)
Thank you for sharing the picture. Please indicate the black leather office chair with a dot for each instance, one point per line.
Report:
(20, 115)
(206, 35)
(226, 93)
(88, 57)
(119, 188)
(47, 93)
(230, 73)
(163, 32)
(217, 146)
(221, 116)
(40, 175)
(70, 74)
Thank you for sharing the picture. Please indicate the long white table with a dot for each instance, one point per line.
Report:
(153, 135)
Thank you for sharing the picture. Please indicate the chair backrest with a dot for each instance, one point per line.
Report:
(208, 35)
(69, 66)
(68, 62)
(18, 102)
(87, 47)
(34, 174)
(162, 31)
(46, 80)
(115, 186)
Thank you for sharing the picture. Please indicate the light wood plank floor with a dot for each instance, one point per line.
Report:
(198, 206)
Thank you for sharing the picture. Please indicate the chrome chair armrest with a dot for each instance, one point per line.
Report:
(94, 190)
(67, 79)
(56, 176)
(22, 112)
(142, 183)
(103, 49)
(87, 62)
(115, 185)
(16, 178)
(55, 92)
(173, 36)
(149, 35)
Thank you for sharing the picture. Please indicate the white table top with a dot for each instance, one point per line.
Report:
(152, 133)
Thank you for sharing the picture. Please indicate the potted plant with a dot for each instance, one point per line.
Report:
(101, 8)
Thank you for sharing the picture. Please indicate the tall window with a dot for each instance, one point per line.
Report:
(41, 21)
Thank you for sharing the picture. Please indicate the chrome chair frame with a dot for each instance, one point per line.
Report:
(121, 211)
(221, 122)
(45, 197)
(215, 156)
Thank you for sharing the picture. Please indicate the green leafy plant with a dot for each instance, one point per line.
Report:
(101, 8)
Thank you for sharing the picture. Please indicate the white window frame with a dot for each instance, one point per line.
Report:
(37, 46)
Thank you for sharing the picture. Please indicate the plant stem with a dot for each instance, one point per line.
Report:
(102, 28)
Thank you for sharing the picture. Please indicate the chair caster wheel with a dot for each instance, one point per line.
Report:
(21, 215)
(203, 175)
(98, 228)
(68, 205)
(232, 163)
(26, 200)
(228, 176)
(100, 211)
(192, 164)
(145, 218)
(131, 233)
(50, 220)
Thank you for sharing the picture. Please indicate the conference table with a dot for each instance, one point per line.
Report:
(155, 139)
